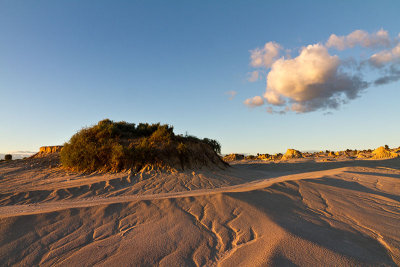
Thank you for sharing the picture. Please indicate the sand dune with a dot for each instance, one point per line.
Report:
(255, 213)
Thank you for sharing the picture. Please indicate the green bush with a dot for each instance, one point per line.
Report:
(8, 157)
(112, 146)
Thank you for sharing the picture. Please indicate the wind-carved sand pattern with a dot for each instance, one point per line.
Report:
(299, 212)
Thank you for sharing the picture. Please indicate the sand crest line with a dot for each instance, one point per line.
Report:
(29, 209)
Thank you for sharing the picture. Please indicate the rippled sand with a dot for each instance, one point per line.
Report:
(300, 212)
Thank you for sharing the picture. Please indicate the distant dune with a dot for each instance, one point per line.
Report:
(304, 211)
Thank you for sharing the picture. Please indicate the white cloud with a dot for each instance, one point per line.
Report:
(254, 102)
(293, 77)
(310, 81)
(359, 37)
(254, 76)
(265, 56)
(231, 94)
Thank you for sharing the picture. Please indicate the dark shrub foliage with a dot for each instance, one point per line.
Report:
(112, 146)
(8, 157)
(215, 145)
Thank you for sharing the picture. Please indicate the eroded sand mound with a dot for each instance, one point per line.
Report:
(383, 153)
(292, 154)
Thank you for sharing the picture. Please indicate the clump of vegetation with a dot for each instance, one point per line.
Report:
(8, 157)
(113, 146)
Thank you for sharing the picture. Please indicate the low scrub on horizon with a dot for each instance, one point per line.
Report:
(113, 146)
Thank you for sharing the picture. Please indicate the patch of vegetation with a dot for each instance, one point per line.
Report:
(8, 157)
(113, 146)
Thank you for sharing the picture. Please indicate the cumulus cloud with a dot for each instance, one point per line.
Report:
(231, 94)
(311, 81)
(254, 102)
(317, 80)
(253, 76)
(359, 37)
(266, 55)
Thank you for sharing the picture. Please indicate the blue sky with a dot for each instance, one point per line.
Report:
(68, 64)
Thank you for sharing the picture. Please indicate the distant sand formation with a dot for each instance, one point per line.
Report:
(292, 154)
(382, 153)
(232, 157)
(46, 150)
(327, 155)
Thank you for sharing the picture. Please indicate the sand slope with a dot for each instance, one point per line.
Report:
(300, 213)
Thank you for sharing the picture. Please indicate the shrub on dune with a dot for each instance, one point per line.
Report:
(113, 146)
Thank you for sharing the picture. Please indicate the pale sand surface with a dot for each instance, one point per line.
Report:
(295, 213)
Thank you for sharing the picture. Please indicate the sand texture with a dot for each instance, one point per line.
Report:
(300, 212)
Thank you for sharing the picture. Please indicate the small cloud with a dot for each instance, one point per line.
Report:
(359, 37)
(231, 94)
(271, 111)
(386, 56)
(265, 56)
(336, 41)
(253, 76)
(392, 75)
(254, 102)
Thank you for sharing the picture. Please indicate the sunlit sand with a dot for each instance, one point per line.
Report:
(301, 211)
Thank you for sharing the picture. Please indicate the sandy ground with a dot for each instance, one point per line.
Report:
(296, 213)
